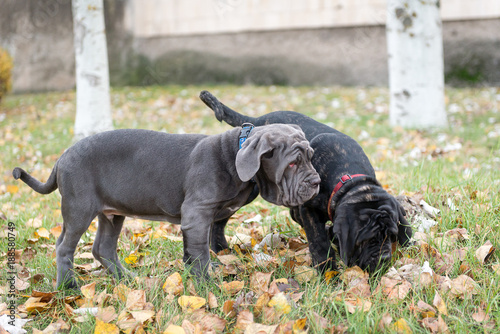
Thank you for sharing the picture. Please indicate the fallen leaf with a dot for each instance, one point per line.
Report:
(56, 231)
(425, 310)
(435, 325)
(104, 328)
(259, 282)
(233, 287)
(440, 304)
(385, 321)
(191, 303)
(480, 315)
(42, 232)
(173, 329)
(463, 286)
(107, 314)
(88, 291)
(212, 301)
(358, 304)
(143, 315)
(305, 274)
(299, 326)
(244, 319)
(13, 189)
(394, 289)
(280, 303)
(261, 302)
(484, 252)
(401, 327)
(256, 328)
(136, 300)
(173, 284)
(353, 273)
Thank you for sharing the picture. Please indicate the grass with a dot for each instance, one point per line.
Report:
(460, 163)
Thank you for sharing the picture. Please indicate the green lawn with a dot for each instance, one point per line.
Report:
(458, 165)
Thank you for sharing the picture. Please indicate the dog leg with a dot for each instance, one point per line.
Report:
(322, 253)
(76, 221)
(218, 240)
(105, 244)
(196, 236)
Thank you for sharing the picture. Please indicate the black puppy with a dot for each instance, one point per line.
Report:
(366, 219)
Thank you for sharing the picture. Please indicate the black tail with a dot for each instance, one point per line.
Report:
(42, 188)
(224, 113)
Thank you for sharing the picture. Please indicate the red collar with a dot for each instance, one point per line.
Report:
(343, 180)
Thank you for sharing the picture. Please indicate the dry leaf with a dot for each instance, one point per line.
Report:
(56, 231)
(425, 310)
(484, 252)
(173, 284)
(42, 233)
(384, 322)
(261, 302)
(104, 328)
(440, 304)
(244, 319)
(136, 300)
(394, 289)
(142, 315)
(480, 315)
(233, 287)
(121, 292)
(358, 304)
(435, 325)
(212, 301)
(463, 286)
(259, 282)
(401, 327)
(280, 303)
(173, 329)
(305, 274)
(106, 314)
(353, 273)
(255, 328)
(191, 303)
(299, 326)
(88, 291)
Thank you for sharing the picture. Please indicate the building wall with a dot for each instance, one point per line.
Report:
(243, 41)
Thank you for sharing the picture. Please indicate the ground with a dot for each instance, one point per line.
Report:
(448, 281)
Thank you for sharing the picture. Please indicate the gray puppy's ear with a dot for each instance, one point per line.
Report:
(248, 157)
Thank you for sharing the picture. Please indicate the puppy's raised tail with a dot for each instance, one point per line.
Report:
(40, 187)
(223, 112)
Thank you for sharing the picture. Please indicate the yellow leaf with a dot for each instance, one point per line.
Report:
(358, 304)
(331, 274)
(401, 327)
(233, 287)
(88, 291)
(12, 189)
(131, 259)
(56, 231)
(191, 303)
(261, 302)
(440, 304)
(173, 329)
(42, 233)
(280, 303)
(143, 315)
(121, 292)
(299, 325)
(103, 328)
(173, 284)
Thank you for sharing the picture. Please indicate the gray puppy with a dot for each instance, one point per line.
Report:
(188, 179)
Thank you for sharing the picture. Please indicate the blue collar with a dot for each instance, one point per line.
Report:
(246, 128)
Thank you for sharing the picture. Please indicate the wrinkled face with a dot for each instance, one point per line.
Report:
(278, 158)
(366, 238)
(294, 175)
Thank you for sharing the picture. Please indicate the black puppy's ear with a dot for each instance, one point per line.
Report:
(345, 229)
(249, 156)
(404, 229)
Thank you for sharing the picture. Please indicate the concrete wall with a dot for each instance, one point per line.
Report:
(242, 41)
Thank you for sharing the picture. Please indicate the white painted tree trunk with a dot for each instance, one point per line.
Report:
(93, 110)
(415, 58)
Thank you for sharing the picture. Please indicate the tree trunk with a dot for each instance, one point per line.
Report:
(93, 110)
(415, 58)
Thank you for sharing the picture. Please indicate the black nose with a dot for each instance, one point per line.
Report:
(315, 181)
